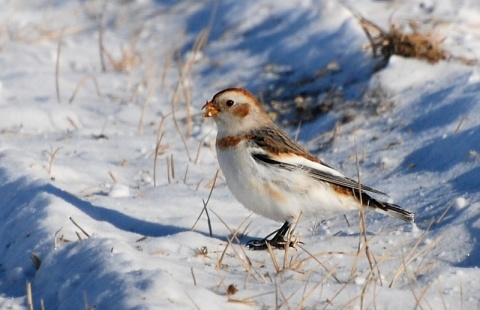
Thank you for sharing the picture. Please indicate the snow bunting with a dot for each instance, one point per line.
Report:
(273, 176)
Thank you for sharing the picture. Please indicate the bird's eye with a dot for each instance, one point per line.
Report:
(230, 103)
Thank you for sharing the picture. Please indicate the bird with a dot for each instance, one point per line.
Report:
(273, 176)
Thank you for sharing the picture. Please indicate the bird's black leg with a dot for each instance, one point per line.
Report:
(278, 241)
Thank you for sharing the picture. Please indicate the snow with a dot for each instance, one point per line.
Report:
(460, 203)
(79, 190)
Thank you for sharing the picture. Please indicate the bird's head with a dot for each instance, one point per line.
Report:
(235, 110)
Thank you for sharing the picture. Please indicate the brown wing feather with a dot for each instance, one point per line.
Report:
(273, 140)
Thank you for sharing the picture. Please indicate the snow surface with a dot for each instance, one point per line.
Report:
(83, 158)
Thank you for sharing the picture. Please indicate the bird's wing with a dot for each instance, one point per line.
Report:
(322, 173)
(273, 148)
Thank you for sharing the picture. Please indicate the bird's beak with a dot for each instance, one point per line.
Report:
(210, 109)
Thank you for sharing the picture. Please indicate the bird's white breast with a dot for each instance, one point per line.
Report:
(276, 193)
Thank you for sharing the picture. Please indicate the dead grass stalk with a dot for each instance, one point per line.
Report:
(57, 67)
(423, 45)
(81, 84)
(158, 148)
(79, 227)
(205, 203)
(29, 296)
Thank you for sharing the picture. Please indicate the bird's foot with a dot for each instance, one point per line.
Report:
(275, 243)
(262, 244)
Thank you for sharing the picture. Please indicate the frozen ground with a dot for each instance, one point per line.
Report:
(78, 137)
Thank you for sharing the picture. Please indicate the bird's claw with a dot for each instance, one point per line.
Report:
(262, 244)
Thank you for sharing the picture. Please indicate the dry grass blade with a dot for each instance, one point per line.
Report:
(29, 296)
(143, 238)
(248, 300)
(414, 253)
(172, 166)
(128, 56)
(197, 158)
(461, 295)
(314, 257)
(186, 75)
(193, 302)
(186, 71)
(419, 298)
(426, 45)
(208, 217)
(291, 242)
(78, 236)
(55, 238)
(204, 209)
(363, 225)
(364, 290)
(218, 265)
(444, 213)
(460, 123)
(203, 251)
(82, 83)
(78, 226)
(274, 259)
(50, 35)
(112, 176)
(168, 169)
(185, 175)
(247, 264)
(36, 261)
(193, 276)
(158, 148)
(175, 99)
(101, 47)
(306, 296)
(345, 285)
(152, 86)
(285, 303)
(86, 303)
(52, 154)
(57, 67)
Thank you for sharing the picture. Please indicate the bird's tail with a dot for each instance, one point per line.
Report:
(392, 210)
